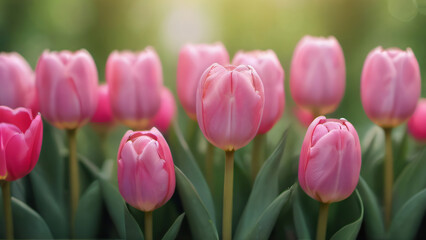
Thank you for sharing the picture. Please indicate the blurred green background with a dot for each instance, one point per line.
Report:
(101, 26)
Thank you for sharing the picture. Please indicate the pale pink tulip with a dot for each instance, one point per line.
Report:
(103, 113)
(21, 135)
(167, 112)
(230, 104)
(317, 76)
(135, 82)
(417, 122)
(66, 85)
(146, 175)
(390, 86)
(271, 73)
(194, 59)
(330, 160)
(17, 86)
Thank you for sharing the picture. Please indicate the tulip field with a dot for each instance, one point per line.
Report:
(140, 120)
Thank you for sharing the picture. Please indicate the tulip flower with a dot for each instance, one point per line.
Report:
(390, 86)
(21, 135)
(230, 104)
(16, 81)
(146, 176)
(194, 59)
(135, 82)
(167, 112)
(103, 113)
(416, 124)
(330, 163)
(66, 85)
(317, 77)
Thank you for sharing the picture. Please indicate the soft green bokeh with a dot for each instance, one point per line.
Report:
(103, 26)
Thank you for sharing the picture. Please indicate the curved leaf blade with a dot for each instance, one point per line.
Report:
(174, 229)
(89, 212)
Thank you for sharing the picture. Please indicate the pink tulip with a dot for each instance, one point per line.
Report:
(230, 104)
(135, 82)
(317, 77)
(305, 117)
(271, 73)
(167, 112)
(417, 122)
(103, 113)
(66, 85)
(330, 160)
(390, 86)
(16, 81)
(21, 135)
(193, 61)
(146, 175)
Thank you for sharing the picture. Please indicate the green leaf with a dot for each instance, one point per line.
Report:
(89, 212)
(407, 220)
(374, 223)
(132, 228)
(264, 224)
(200, 221)
(48, 184)
(261, 197)
(184, 159)
(115, 206)
(27, 223)
(305, 213)
(174, 229)
(350, 231)
(411, 180)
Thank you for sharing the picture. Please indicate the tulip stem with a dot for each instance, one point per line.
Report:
(227, 195)
(148, 226)
(388, 176)
(257, 155)
(210, 165)
(7, 206)
(322, 221)
(74, 180)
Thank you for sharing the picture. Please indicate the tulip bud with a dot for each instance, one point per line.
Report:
(66, 85)
(21, 135)
(390, 86)
(193, 61)
(317, 77)
(103, 112)
(16, 81)
(330, 160)
(230, 104)
(417, 122)
(167, 112)
(146, 175)
(135, 82)
(271, 73)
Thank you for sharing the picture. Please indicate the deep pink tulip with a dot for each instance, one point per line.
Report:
(103, 113)
(146, 175)
(330, 160)
(194, 59)
(21, 135)
(271, 73)
(135, 82)
(66, 85)
(17, 87)
(305, 117)
(390, 86)
(230, 104)
(167, 112)
(417, 122)
(317, 77)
